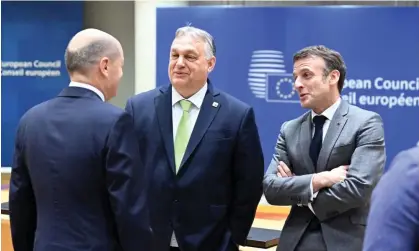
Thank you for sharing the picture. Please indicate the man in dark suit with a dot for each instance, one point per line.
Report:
(326, 162)
(393, 221)
(77, 181)
(203, 153)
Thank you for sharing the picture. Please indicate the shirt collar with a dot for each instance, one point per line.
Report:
(197, 99)
(329, 112)
(89, 87)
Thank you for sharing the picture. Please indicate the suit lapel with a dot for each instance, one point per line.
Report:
(206, 115)
(163, 104)
(305, 140)
(335, 128)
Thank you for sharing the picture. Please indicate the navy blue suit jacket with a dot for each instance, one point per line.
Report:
(393, 222)
(211, 202)
(77, 179)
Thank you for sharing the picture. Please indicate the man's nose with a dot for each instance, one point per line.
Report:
(180, 62)
(297, 84)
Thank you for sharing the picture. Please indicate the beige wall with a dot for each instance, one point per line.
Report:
(116, 18)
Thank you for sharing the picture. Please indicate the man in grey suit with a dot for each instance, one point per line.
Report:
(326, 162)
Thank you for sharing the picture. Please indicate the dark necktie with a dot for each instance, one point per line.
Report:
(316, 142)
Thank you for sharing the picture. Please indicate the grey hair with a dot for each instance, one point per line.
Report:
(194, 32)
(81, 59)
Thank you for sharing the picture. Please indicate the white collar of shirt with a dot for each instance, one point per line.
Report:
(329, 112)
(197, 99)
(89, 87)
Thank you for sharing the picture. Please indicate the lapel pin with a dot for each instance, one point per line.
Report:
(215, 104)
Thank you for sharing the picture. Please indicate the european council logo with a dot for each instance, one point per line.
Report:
(268, 78)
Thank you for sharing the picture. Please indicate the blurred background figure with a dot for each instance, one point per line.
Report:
(393, 221)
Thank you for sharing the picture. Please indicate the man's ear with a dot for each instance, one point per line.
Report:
(211, 64)
(334, 77)
(104, 66)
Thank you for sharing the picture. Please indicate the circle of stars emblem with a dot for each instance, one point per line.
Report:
(278, 88)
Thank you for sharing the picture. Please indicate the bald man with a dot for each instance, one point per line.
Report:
(77, 182)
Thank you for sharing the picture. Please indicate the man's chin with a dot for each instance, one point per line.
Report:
(305, 104)
(176, 82)
(179, 79)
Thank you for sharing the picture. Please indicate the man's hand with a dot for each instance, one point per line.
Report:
(336, 175)
(283, 170)
(329, 178)
(320, 180)
(342, 170)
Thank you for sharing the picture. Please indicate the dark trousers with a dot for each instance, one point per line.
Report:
(174, 249)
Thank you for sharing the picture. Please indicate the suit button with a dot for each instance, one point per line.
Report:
(176, 201)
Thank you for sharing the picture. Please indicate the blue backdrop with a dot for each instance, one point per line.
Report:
(32, 33)
(255, 47)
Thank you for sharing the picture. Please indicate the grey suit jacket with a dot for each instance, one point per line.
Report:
(356, 138)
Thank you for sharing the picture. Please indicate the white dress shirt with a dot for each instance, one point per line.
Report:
(89, 87)
(328, 113)
(197, 99)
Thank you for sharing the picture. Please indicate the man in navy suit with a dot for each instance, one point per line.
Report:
(77, 181)
(393, 221)
(203, 153)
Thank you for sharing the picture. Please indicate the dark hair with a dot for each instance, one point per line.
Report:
(81, 59)
(333, 60)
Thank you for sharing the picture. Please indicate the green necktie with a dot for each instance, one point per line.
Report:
(183, 133)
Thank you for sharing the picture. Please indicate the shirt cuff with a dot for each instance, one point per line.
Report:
(313, 196)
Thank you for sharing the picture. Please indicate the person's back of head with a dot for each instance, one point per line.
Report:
(96, 58)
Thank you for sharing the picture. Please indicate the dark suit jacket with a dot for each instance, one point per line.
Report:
(393, 221)
(211, 202)
(356, 138)
(76, 181)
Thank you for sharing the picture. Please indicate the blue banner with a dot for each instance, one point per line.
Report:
(34, 38)
(255, 46)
